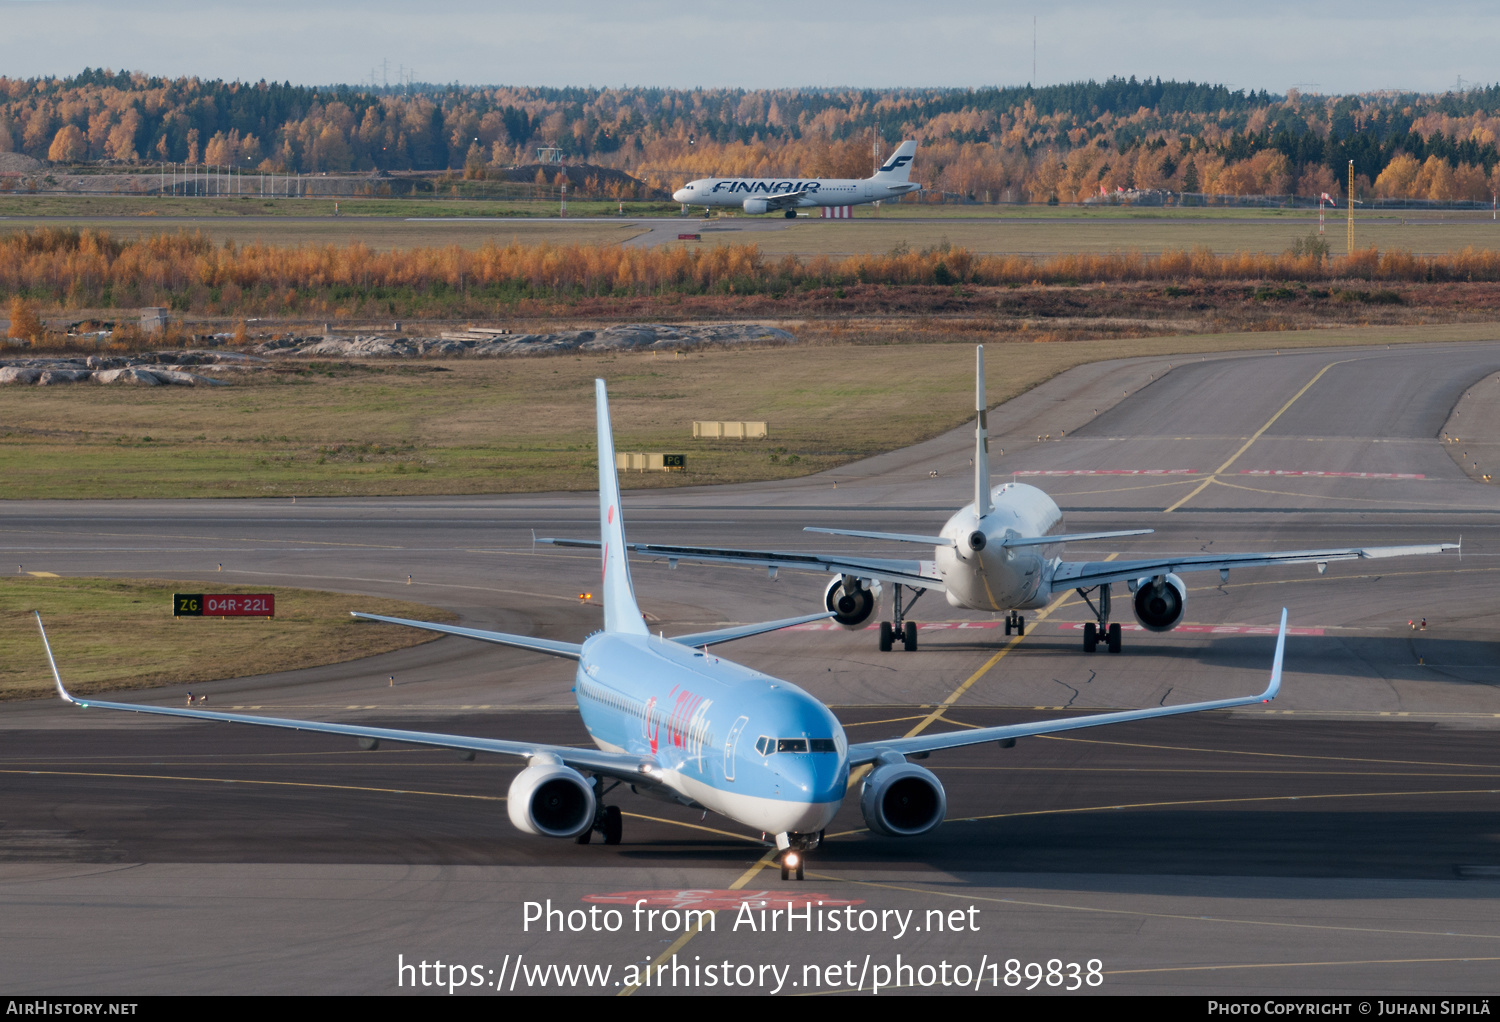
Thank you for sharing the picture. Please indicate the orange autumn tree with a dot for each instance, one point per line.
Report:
(25, 325)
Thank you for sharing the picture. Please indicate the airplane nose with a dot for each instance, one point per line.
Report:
(817, 777)
(680, 195)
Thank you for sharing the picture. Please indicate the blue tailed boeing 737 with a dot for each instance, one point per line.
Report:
(675, 722)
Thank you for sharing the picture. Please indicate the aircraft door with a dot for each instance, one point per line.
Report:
(729, 746)
(869, 189)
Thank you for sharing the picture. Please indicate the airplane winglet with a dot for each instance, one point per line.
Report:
(61, 691)
(1274, 686)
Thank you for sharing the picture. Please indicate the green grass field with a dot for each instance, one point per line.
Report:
(514, 425)
(14, 204)
(113, 634)
(168, 206)
(383, 224)
(380, 234)
(1103, 234)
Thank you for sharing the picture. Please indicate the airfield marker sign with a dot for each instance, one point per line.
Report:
(223, 605)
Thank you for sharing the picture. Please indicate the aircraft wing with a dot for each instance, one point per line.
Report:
(1083, 574)
(920, 574)
(569, 650)
(869, 752)
(719, 635)
(783, 200)
(611, 764)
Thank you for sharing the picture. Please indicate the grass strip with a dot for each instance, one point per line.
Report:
(110, 634)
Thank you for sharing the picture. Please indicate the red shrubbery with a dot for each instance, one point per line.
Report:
(88, 270)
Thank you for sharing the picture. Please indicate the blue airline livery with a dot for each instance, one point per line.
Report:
(678, 723)
(773, 195)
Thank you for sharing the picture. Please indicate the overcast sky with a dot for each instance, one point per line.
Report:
(1338, 45)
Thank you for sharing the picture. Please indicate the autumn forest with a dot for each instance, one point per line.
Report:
(1065, 143)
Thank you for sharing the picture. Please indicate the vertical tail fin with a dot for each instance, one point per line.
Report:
(620, 611)
(982, 505)
(898, 167)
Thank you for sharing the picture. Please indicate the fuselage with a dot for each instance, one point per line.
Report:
(996, 577)
(733, 191)
(741, 743)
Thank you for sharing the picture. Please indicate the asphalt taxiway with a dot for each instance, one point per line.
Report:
(1340, 839)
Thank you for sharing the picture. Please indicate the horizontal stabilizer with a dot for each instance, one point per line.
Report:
(570, 650)
(745, 631)
(894, 537)
(1073, 537)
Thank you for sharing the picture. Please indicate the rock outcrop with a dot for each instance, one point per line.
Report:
(495, 343)
(150, 369)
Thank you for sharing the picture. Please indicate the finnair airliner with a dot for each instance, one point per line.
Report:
(1003, 553)
(787, 195)
(675, 722)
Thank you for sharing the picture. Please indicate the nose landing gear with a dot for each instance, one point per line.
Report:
(1016, 621)
(794, 849)
(791, 862)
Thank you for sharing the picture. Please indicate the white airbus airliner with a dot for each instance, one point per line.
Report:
(1003, 553)
(787, 195)
(677, 723)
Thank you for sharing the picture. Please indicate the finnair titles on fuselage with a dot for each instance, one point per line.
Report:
(770, 195)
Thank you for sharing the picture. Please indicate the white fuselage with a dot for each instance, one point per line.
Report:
(996, 577)
(734, 191)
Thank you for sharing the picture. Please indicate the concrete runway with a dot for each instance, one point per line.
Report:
(1342, 840)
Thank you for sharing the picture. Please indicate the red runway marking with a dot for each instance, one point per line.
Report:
(1341, 475)
(1073, 626)
(718, 900)
(1106, 472)
(1077, 626)
(828, 626)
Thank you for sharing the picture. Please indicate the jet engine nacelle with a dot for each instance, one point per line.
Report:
(756, 205)
(551, 800)
(851, 609)
(1159, 608)
(902, 800)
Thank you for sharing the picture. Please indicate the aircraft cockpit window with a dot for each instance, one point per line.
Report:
(765, 746)
(791, 745)
(823, 745)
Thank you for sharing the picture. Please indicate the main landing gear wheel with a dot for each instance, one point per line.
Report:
(610, 825)
(791, 214)
(1100, 630)
(898, 629)
(613, 825)
(791, 862)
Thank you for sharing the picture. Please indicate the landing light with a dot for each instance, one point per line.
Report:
(585, 597)
(791, 860)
